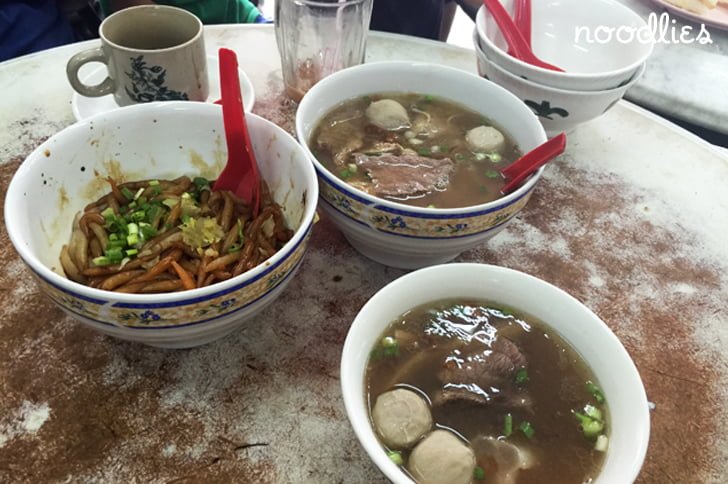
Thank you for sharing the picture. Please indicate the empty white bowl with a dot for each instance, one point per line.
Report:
(402, 235)
(599, 43)
(627, 406)
(162, 141)
(558, 110)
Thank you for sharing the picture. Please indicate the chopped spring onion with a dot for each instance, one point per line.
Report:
(346, 174)
(495, 157)
(138, 193)
(395, 457)
(593, 412)
(595, 391)
(508, 425)
(602, 443)
(131, 252)
(127, 193)
(521, 376)
(424, 152)
(478, 473)
(390, 346)
(155, 183)
(527, 429)
(107, 212)
(352, 167)
(389, 342)
(492, 174)
(429, 98)
(101, 261)
(480, 156)
(132, 228)
(170, 202)
(132, 239)
(201, 183)
(590, 427)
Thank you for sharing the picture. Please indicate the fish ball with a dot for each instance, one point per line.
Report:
(442, 458)
(401, 417)
(388, 114)
(485, 139)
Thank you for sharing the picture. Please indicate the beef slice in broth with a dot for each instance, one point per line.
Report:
(405, 176)
(486, 376)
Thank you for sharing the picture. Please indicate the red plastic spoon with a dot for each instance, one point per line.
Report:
(240, 174)
(522, 19)
(523, 167)
(516, 43)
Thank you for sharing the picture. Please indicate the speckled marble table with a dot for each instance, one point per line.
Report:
(632, 220)
(685, 81)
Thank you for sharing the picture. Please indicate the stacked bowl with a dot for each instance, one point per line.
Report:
(601, 45)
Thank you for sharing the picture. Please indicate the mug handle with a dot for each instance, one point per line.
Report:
(78, 60)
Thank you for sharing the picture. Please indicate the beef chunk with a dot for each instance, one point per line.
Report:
(403, 176)
(486, 376)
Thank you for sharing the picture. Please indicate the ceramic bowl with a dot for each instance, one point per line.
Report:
(401, 235)
(163, 141)
(617, 375)
(557, 109)
(599, 43)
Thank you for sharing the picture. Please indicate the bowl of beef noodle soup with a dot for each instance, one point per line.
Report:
(116, 218)
(469, 373)
(408, 158)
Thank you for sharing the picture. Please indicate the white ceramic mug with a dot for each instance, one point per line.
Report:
(152, 52)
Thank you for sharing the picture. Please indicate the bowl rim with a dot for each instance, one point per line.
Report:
(353, 399)
(166, 299)
(398, 207)
(557, 75)
(557, 90)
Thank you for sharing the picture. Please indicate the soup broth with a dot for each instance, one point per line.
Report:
(505, 384)
(415, 149)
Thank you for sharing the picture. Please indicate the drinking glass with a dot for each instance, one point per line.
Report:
(317, 38)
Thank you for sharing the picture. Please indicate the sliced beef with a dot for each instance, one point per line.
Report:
(403, 176)
(340, 142)
(485, 377)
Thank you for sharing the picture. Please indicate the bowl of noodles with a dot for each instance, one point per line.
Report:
(117, 220)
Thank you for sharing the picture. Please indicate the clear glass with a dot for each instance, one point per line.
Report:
(317, 38)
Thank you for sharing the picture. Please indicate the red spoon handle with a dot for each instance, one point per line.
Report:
(522, 18)
(240, 175)
(527, 164)
(517, 44)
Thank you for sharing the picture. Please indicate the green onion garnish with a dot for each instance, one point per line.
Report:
(521, 376)
(595, 391)
(346, 173)
(478, 473)
(155, 183)
(508, 425)
(132, 239)
(495, 157)
(492, 174)
(395, 457)
(127, 193)
(101, 261)
(527, 429)
(390, 346)
(593, 412)
(424, 152)
(589, 426)
(138, 193)
(132, 252)
(108, 212)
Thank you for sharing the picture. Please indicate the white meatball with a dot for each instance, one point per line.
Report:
(485, 139)
(388, 114)
(401, 417)
(442, 458)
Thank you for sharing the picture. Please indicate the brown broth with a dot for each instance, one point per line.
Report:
(557, 378)
(475, 179)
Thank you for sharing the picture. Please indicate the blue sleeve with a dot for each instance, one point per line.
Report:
(30, 26)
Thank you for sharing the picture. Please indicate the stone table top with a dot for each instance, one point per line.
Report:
(631, 220)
